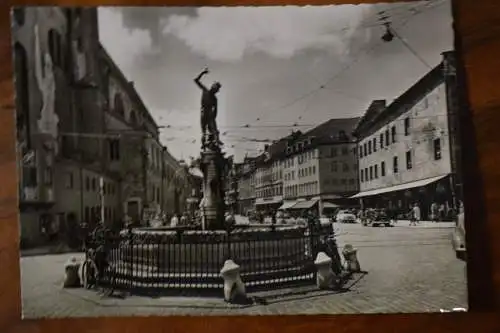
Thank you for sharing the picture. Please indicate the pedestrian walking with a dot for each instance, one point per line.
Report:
(392, 215)
(174, 221)
(415, 215)
(441, 212)
(434, 212)
(184, 220)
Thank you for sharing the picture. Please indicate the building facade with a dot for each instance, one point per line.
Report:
(82, 191)
(320, 169)
(79, 118)
(231, 185)
(55, 79)
(173, 188)
(269, 177)
(404, 148)
(196, 189)
(246, 186)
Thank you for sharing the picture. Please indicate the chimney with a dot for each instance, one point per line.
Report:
(266, 147)
(379, 104)
(375, 108)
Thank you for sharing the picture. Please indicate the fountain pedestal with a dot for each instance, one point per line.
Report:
(213, 206)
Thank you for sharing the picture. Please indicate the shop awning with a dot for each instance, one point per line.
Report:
(268, 202)
(304, 204)
(287, 205)
(330, 205)
(400, 187)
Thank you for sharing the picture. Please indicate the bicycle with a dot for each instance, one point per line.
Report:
(331, 249)
(93, 276)
(96, 269)
(89, 270)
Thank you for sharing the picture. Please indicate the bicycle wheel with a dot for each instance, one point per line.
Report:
(89, 271)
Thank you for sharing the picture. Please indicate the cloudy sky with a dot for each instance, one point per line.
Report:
(280, 67)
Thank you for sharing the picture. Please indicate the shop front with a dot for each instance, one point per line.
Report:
(330, 208)
(303, 206)
(268, 205)
(401, 198)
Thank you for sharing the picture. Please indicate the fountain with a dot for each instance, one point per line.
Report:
(212, 161)
(212, 164)
(186, 257)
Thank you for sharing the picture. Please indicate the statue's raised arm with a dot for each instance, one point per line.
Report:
(197, 79)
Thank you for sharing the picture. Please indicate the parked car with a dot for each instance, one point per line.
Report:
(376, 218)
(345, 216)
(458, 237)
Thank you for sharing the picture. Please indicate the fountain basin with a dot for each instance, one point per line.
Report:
(266, 254)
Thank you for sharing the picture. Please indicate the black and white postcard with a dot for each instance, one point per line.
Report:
(239, 160)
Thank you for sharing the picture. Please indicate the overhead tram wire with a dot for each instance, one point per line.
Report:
(298, 99)
(295, 124)
(234, 137)
(428, 5)
(324, 85)
(371, 49)
(357, 57)
(409, 47)
(334, 77)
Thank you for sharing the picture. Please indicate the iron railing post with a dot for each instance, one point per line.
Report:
(130, 253)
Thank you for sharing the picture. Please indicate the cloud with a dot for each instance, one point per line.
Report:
(150, 19)
(124, 45)
(230, 33)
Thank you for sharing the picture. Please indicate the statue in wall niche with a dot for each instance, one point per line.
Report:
(80, 68)
(209, 131)
(44, 72)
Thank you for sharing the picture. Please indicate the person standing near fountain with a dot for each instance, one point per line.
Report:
(208, 111)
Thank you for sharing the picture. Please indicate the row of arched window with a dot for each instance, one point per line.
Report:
(119, 108)
(21, 69)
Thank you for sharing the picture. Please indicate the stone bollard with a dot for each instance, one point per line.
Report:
(234, 288)
(71, 278)
(325, 277)
(351, 258)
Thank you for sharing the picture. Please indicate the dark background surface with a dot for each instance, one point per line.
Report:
(477, 28)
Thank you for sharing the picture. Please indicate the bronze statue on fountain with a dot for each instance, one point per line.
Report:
(212, 161)
(209, 132)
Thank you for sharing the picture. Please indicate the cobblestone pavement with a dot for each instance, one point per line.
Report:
(410, 269)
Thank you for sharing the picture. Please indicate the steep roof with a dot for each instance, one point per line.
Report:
(401, 104)
(336, 130)
(128, 85)
(277, 150)
(331, 131)
(376, 107)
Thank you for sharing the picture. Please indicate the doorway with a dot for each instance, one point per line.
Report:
(133, 210)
